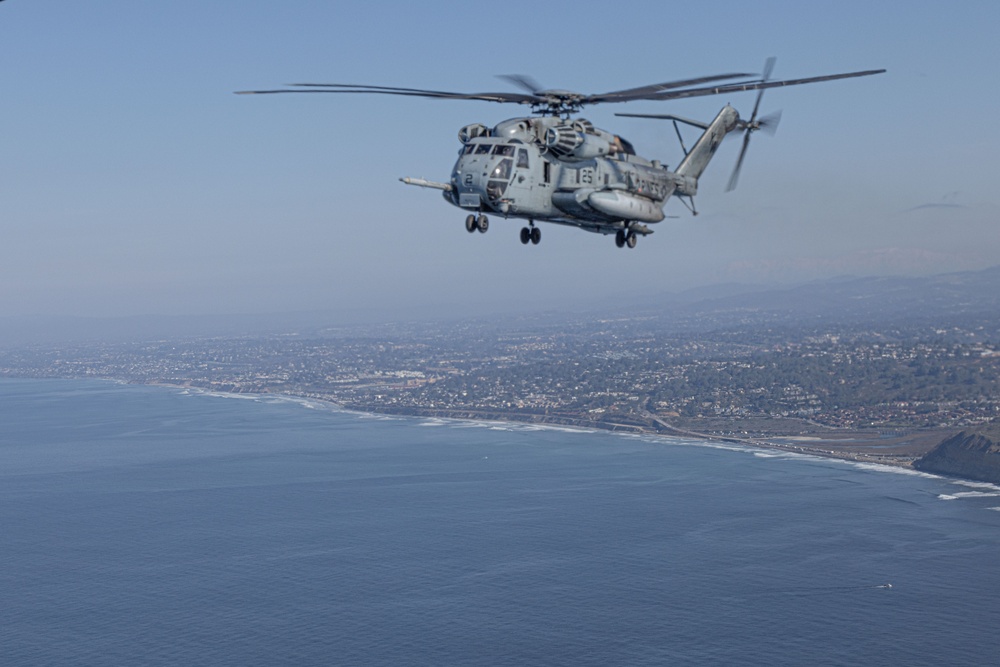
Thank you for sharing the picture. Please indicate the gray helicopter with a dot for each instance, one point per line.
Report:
(552, 167)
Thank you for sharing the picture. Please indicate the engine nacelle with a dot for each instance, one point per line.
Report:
(562, 140)
(470, 132)
(515, 128)
(578, 141)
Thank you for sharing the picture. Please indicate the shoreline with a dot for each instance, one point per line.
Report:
(852, 446)
(818, 446)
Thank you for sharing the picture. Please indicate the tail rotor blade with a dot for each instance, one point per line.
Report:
(735, 176)
(756, 106)
(769, 123)
(768, 68)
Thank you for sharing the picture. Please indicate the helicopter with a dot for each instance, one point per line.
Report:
(556, 167)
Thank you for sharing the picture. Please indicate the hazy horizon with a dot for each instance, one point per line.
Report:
(934, 294)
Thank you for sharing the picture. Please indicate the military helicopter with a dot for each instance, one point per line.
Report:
(554, 167)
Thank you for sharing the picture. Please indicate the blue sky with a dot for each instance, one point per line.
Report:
(132, 180)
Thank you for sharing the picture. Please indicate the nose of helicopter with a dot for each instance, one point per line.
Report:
(469, 180)
(482, 180)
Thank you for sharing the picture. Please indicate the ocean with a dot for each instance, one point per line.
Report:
(154, 526)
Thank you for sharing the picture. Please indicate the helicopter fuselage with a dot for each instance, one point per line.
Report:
(567, 171)
(558, 171)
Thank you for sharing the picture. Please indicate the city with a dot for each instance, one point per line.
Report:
(896, 388)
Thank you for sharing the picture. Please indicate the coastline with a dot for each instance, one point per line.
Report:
(852, 446)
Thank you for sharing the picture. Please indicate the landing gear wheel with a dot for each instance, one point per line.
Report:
(536, 235)
(470, 223)
(631, 239)
(525, 235)
(620, 238)
(483, 223)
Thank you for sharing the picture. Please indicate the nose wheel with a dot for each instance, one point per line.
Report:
(472, 223)
(531, 234)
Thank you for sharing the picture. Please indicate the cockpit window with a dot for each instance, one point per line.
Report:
(495, 189)
(468, 149)
(503, 149)
(482, 149)
(502, 170)
(522, 158)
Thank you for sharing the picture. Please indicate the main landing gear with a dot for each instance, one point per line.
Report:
(531, 233)
(623, 238)
(472, 223)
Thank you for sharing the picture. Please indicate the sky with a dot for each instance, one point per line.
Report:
(133, 182)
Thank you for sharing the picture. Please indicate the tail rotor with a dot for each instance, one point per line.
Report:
(768, 123)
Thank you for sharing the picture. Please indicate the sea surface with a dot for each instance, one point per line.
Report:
(158, 526)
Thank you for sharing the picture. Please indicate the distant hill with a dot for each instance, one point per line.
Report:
(853, 301)
(937, 300)
(972, 454)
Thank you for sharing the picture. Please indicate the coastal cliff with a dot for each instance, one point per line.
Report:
(972, 454)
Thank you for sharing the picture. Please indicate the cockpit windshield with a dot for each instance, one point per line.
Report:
(503, 149)
(502, 170)
(482, 149)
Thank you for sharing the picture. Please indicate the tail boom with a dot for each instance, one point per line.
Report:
(695, 162)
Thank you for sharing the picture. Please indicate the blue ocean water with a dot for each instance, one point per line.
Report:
(145, 525)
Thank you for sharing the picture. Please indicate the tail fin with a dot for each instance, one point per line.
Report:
(695, 162)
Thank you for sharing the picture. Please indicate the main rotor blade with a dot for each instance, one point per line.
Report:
(365, 86)
(566, 100)
(642, 91)
(524, 82)
(516, 98)
(759, 85)
(521, 80)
